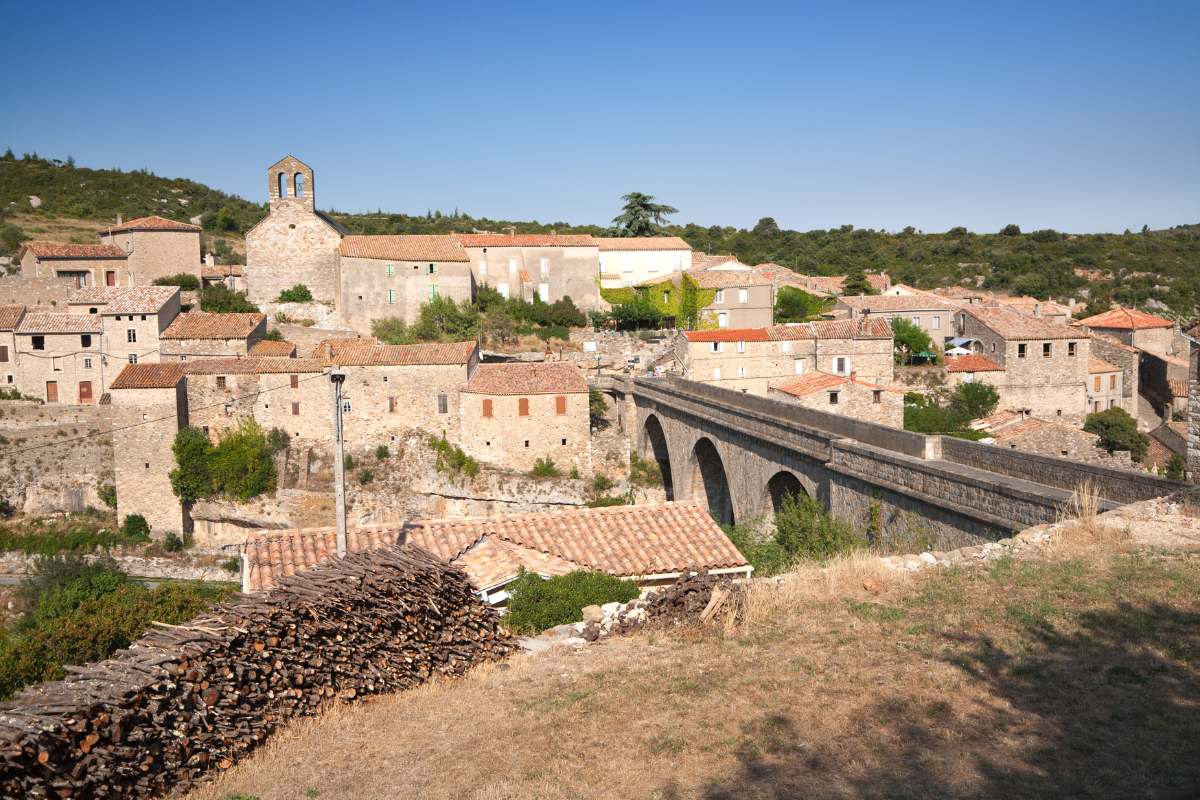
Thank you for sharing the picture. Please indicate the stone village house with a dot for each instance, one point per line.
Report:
(517, 265)
(134, 318)
(741, 300)
(930, 313)
(156, 248)
(627, 261)
(83, 264)
(59, 357)
(200, 335)
(843, 394)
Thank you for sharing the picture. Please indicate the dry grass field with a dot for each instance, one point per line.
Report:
(1068, 673)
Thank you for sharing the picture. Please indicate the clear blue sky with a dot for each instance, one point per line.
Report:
(1077, 116)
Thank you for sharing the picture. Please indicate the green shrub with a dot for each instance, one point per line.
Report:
(57, 585)
(365, 476)
(172, 543)
(601, 483)
(273, 335)
(348, 463)
(597, 404)
(136, 528)
(107, 493)
(976, 400)
(544, 468)
(297, 294)
(451, 458)
(185, 282)
(278, 439)
(382, 452)
(1175, 468)
(535, 604)
(218, 299)
(804, 529)
(606, 502)
(234, 565)
(574, 473)
(193, 453)
(1117, 431)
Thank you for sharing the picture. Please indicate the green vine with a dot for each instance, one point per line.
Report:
(685, 301)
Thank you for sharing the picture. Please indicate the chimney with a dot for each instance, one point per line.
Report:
(553, 233)
(809, 283)
(118, 219)
(1071, 303)
(210, 260)
(1037, 309)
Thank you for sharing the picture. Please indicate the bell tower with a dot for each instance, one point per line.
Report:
(291, 181)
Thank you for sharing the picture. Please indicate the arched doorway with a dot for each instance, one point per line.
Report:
(780, 485)
(708, 481)
(654, 445)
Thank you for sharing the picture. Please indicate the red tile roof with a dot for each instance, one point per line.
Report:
(872, 328)
(251, 366)
(627, 541)
(72, 251)
(269, 349)
(888, 303)
(972, 363)
(525, 277)
(369, 352)
(1007, 425)
(60, 323)
(150, 224)
(1178, 387)
(1015, 326)
(149, 376)
(555, 377)
(525, 240)
(1126, 319)
(218, 271)
(728, 335)
(199, 325)
(404, 248)
(833, 283)
(630, 243)
(10, 316)
(1099, 365)
(124, 299)
(817, 381)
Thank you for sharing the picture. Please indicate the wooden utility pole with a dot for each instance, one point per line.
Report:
(337, 377)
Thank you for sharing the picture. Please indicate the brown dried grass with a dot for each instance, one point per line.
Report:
(1083, 527)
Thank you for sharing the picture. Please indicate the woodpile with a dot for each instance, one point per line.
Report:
(189, 699)
(695, 596)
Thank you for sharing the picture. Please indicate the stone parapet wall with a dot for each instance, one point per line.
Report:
(20, 414)
(48, 293)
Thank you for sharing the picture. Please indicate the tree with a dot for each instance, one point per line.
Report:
(193, 453)
(11, 237)
(766, 227)
(638, 312)
(909, 338)
(804, 529)
(640, 216)
(597, 405)
(1117, 431)
(796, 305)
(217, 299)
(242, 464)
(856, 282)
(976, 400)
(1010, 230)
(1175, 467)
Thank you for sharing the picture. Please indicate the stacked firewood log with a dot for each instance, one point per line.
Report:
(188, 699)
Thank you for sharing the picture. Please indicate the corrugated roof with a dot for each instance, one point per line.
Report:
(60, 323)
(1013, 325)
(1126, 319)
(525, 240)
(199, 325)
(1099, 365)
(630, 243)
(269, 349)
(251, 366)
(404, 248)
(369, 352)
(124, 299)
(149, 376)
(72, 251)
(10, 316)
(555, 377)
(972, 363)
(150, 224)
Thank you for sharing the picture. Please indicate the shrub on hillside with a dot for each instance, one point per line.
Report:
(382, 452)
(107, 494)
(240, 464)
(535, 604)
(218, 299)
(185, 282)
(297, 294)
(544, 468)
(57, 585)
(1117, 431)
(136, 528)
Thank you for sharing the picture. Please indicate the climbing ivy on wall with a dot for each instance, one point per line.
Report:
(685, 302)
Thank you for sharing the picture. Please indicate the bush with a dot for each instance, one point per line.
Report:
(1117, 431)
(233, 565)
(193, 453)
(382, 452)
(452, 458)
(1175, 468)
(59, 584)
(348, 463)
(601, 483)
(597, 405)
(273, 335)
(544, 468)
(804, 529)
(107, 493)
(535, 604)
(976, 400)
(217, 299)
(297, 294)
(241, 463)
(136, 528)
(185, 282)
(278, 439)
(574, 473)
(365, 476)
(606, 502)
(1010, 230)
(173, 544)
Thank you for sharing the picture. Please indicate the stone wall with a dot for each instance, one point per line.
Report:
(41, 295)
(33, 267)
(880, 406)
(292, 246)
(145, 422)
(1128, 359)
(19, 414)
(1064, 441)
(1154, 375)
(191, 349)
(65, 363)
(157, 254)
(364, 285)
(267, 398)
(570, 271)
(509, 440)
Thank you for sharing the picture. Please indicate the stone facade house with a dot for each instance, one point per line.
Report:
(134, 319)
(1128, 359)
(843, 394)
(295, 243)
(627, 261)
(156, 248)
(1105, 388)
(201, 335)
(10, 316)
(930, 313)
(60, 357)
(551, 265)
(975, 368)
(741, 299)
(514, 414)
(1045, 363)
(294, 394)
(391, 276)
(831, 285)
(1136, 329)
(83, 264)
(272, 349)
(1046, 437)
(751, 359)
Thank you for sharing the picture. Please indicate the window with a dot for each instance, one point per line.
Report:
(839, 365)
(433, 292)
(666, 298)
(133, 358)
(916, 321)
(295, 381)
(1112, 381)
(131, 335)
(678, 263)
(392, 404)
(722, 319)
(741, 347)
(720, 298)
(1045, 349)
(87, 363)
(1097, 383)
(741, 372)
(85, 340)
(91, 311)
(1097, 406)
(742, 294)
(626, 263)
(483, 268)
(833, 398)
(443, 403)
(502, 288)
(228, 410)
(564, 441)
(1112, 403)
(295, 409)
(183, 358)
(431, 269)
(391, 297)
(717, 374)
(936, 324)
(4, 353)
(512, 266)
(1059, 412)
(1070, 348)
(345, 406)
(877, 396)
(487, 408)
(220, 381)
(39, 342)
(993, 347)
(799, 367)
(391, 269)
(560, 405)
(527, 443)
(56, 364)
(652, 263)
(143, 317)
(545, 266)
(786, 347)
(718, 347)
(523, 408)
(1020, 350)
(544, 292)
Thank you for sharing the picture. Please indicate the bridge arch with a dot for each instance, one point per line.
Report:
(782, 483)
(654, 445)
(708, 480)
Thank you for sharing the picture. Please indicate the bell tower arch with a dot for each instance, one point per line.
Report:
(291, 181)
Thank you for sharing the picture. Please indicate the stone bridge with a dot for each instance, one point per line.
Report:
(741, 454)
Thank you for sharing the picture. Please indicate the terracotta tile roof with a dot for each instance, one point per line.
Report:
(1013, 325)
(699, 257)
(871, 328)
(958, 293)
(106, 399)
(887, 303)
(817, 381)
(150, 224)
(525, 240)
(60, 323)
(1028, 306)
(55, 250)
(724, 279)
(1007, 425)
(1178, 386)
(972, 363)
(199, 325)
(552, 377)
(494, 561)
(833, 283)
(627, 541)
(251, 366)
(610, 276)
(124, 299)
(10, 316)
(1099, 365)
(778, 276)
(218, 271)
(149, 376)
(404, 248)
(631, 243)
(269, 349)
(525, 276)
(1108, 340)
(729, 335)
(701, 261)
(1126, 319)
(369, 352)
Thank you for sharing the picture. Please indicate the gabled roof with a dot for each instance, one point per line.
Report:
(631, 243)
(972, 363)
(833, 283)
(149, 376)
(869, 328)
(124, 299)
(1008, 425)
(218, 271)
(887, 303)
(199, 325)
(404, 248)
(1099, 365)
(712, 278)
(150, 224)
(627, 541)
(72, 251)
(817, 381)
(251, 366)
(10, 316)
(369, 352)
(1126, 319)
(551, 377)
(1015, 326)
(269, 349)
(525, 240)
(60, 323)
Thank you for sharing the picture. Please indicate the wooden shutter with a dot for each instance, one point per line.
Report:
(523, 407)
(560, 404)
(487, 407)
(391, 405)
(295, 409)
(85, 391)
(4, 353)
(295, 381)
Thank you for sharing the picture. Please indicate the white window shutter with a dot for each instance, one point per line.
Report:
(483, 268)
(512, 266)
(544, 292)
(626, 263)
